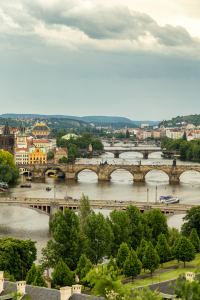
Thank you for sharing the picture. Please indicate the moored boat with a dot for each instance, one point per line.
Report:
(25, 185)
(3, 186)
(29, 179)
(48, 188)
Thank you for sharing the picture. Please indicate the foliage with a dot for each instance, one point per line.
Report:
(84, 209)
(6, 158)
(157, 222)
(163, 249)
(69, 243)
(17, 255)
(62, 276)
(184, 136)
(122, 255)
(188, 290)
(99, 237)
(34, 277)
(151, 259)
(139, 228)
(63, 160)
(10, 276)
(185, 251)
(195, 239)
(120, 225)
(192, 220)
(81, 264)
(48, 260)
(112, 264)
(50, 155)
(132, 265)
(85, 271)
(141, 251)
(127, 134)
(8, 174)
(174, 234)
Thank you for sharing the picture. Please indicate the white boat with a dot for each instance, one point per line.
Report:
(170, 200)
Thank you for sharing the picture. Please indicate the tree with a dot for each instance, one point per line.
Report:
(48, 260)
(132, 265)
(89, 266)
(50, 155)
(185, 251)
(8, 174)
(151, 259)
(62, 276)
(63, 160)
(6, 158)
(84, 210)
(192, 220)
(195, 240)
(184, 136)
(17, 256)
(188, 290)
(112, 264)
(163, 249)
(127, 134)
(69, 243)
(99, 237)
(157, 222)
(120, 225)
(122, 255)
(174, 234)
(141, 250)
(81, 264)
(34, 277)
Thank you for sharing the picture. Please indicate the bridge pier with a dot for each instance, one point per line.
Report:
(174, 178)
(103, 177)
(139, 177)
(53, 210)
(71, 175)
(116, 155)
(38, 174)
(145, 155)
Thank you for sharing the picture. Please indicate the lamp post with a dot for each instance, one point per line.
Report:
(54, 192)
(66, 191)
(147, 196)
(156, 194)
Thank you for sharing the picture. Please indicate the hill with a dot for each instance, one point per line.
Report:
(194, 119)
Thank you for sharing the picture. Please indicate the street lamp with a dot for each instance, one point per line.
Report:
(147, 196)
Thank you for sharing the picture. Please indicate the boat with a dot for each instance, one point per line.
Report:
(3, 186)
(171, 200)
(29, 179)
(48, 188)
(165, 197)
(54, 176)
(25, 185)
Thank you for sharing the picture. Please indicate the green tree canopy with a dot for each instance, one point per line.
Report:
(50, 155)
(84, 210)
(185, 251)
(112, 264)
(163, 249)
(47, 260)
(151, 259)
(174, 234)
(17, 255)
(7, 159)
(34, 277)
(99, 237)
(122, 255)
(192, 220)
(63, 160)
(8, 174)
(69, 243)
(132, 265)
(195, 240)
(141, 250)
(120, 225)
(62, 276)
(127, 134)
(81, 264)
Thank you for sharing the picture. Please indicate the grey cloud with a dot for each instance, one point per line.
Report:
(100, 22)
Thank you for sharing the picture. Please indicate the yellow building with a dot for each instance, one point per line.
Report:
(37, 156)
(40, 129)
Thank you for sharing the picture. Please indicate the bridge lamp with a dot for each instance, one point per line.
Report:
(54, 192)
(66, 191)
(147, 196)
(156, 194)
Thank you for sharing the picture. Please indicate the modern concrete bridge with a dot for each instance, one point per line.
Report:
(104, 171)
(50, 207)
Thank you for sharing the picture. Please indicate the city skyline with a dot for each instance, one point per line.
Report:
(132, 59)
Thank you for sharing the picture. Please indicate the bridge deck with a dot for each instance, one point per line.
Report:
(45, 203)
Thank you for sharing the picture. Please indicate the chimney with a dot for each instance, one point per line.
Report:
(65, 292)
(21, 286)
(189, 276)
(76, 288)
(1, 281)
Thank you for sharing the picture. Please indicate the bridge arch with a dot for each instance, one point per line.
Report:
(141, 155)
(193, 171)
(154, 171)
(120, 168)
(53, 169)
(85, 168)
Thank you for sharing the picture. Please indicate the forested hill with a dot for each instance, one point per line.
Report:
(194, 119)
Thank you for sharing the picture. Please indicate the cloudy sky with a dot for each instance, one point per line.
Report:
(138, 59)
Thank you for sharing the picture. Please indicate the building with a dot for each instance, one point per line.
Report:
(21, 156)
(144, 125)
(40, 130)
(37, 156)
(22, 137)
(49, 144)
(59, 153)
(69, 136)
(156, 134)
(7, 140)
(190, 126)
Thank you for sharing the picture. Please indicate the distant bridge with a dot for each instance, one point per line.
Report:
(104, 171)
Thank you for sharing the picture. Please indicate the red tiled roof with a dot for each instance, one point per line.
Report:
(25, 149)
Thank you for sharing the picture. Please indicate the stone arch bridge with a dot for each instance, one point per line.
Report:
(104, 171)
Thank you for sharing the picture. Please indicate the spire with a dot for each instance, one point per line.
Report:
(6, 130)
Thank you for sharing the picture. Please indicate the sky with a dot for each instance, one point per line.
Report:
(138, 59)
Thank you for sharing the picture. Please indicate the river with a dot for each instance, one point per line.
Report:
(23, 223)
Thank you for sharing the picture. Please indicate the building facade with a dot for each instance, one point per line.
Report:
(21, 156)
(7, 140)
(49, 144)
(41, 130)
(59, 153)
(37, 156)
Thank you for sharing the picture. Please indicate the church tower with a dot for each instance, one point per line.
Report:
(22, 137)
